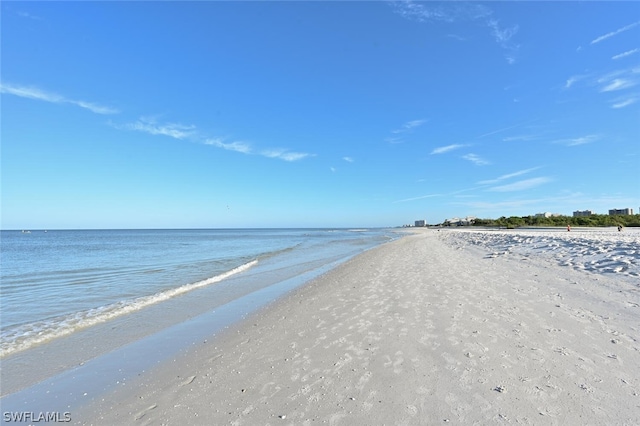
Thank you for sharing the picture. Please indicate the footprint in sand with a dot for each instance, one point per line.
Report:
(397, 363)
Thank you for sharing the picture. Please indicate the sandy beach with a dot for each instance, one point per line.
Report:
(423, 330)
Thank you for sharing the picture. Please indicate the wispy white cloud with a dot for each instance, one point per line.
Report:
(421, 197)
(31, 92)
(614, 33)
(409, 125)
(241, 147)
(603, 81)
(573, 80)
(508, 176)
(520, 138)
(406, 128)
(619, 80)
(578, 141)
(521, 185)
(625, 54)
(618, 84)
(181, 131)
(504, 129)
(394, 140)
(443, 149)
(414, 123)
(502, 35)
(98, 109)
(624, 102)
(421, 12)
(451, 12)
(283, 154)
(439, 11)
(476, 159)
(27, 15)
(150, 126)
(348, 159)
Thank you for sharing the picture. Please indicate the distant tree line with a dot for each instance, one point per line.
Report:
(593, 220)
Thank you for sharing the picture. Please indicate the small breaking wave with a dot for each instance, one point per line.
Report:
(28, 335)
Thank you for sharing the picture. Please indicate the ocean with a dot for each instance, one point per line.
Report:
(78, 294)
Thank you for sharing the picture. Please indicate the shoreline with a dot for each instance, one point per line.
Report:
(413, 331)
(85, 343)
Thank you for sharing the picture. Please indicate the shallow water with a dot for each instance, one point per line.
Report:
(70, 296)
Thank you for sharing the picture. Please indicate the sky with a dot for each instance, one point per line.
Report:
(315, 114)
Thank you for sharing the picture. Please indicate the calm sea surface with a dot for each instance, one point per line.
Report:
(56, 283)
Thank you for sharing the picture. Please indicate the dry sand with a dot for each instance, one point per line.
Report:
(414, 332)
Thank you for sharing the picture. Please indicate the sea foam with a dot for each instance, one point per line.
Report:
(25, 336)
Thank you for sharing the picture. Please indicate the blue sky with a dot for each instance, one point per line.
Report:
(297, 114)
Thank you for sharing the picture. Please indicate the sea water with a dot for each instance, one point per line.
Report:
(82, 293)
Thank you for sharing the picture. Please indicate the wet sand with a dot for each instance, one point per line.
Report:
(419, 332)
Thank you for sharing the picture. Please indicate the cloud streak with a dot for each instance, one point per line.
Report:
(573, 80)
(182, 132)
(30, 92)
(508, 176)
(521, 185)
(283, 154)
(620, 80)
(493, 132)
(421, 197)
(476, 159)
(150, 126)
(578, 141)
(618, 84)
(625, 54)
(624, 102)
(405, 128)
(447, 148)
(240, 147)
(614, 33)
(409, 125)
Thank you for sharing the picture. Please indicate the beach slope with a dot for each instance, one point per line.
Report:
(418, 332)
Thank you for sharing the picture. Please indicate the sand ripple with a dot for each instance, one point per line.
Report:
(598, 251)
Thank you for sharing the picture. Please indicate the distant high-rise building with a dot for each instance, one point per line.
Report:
(579, 213)
(420, 223)
(615, 212)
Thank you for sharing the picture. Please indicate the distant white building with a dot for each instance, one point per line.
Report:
(581, 213)
(469, 220)
(547, 214)
(615, 212)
